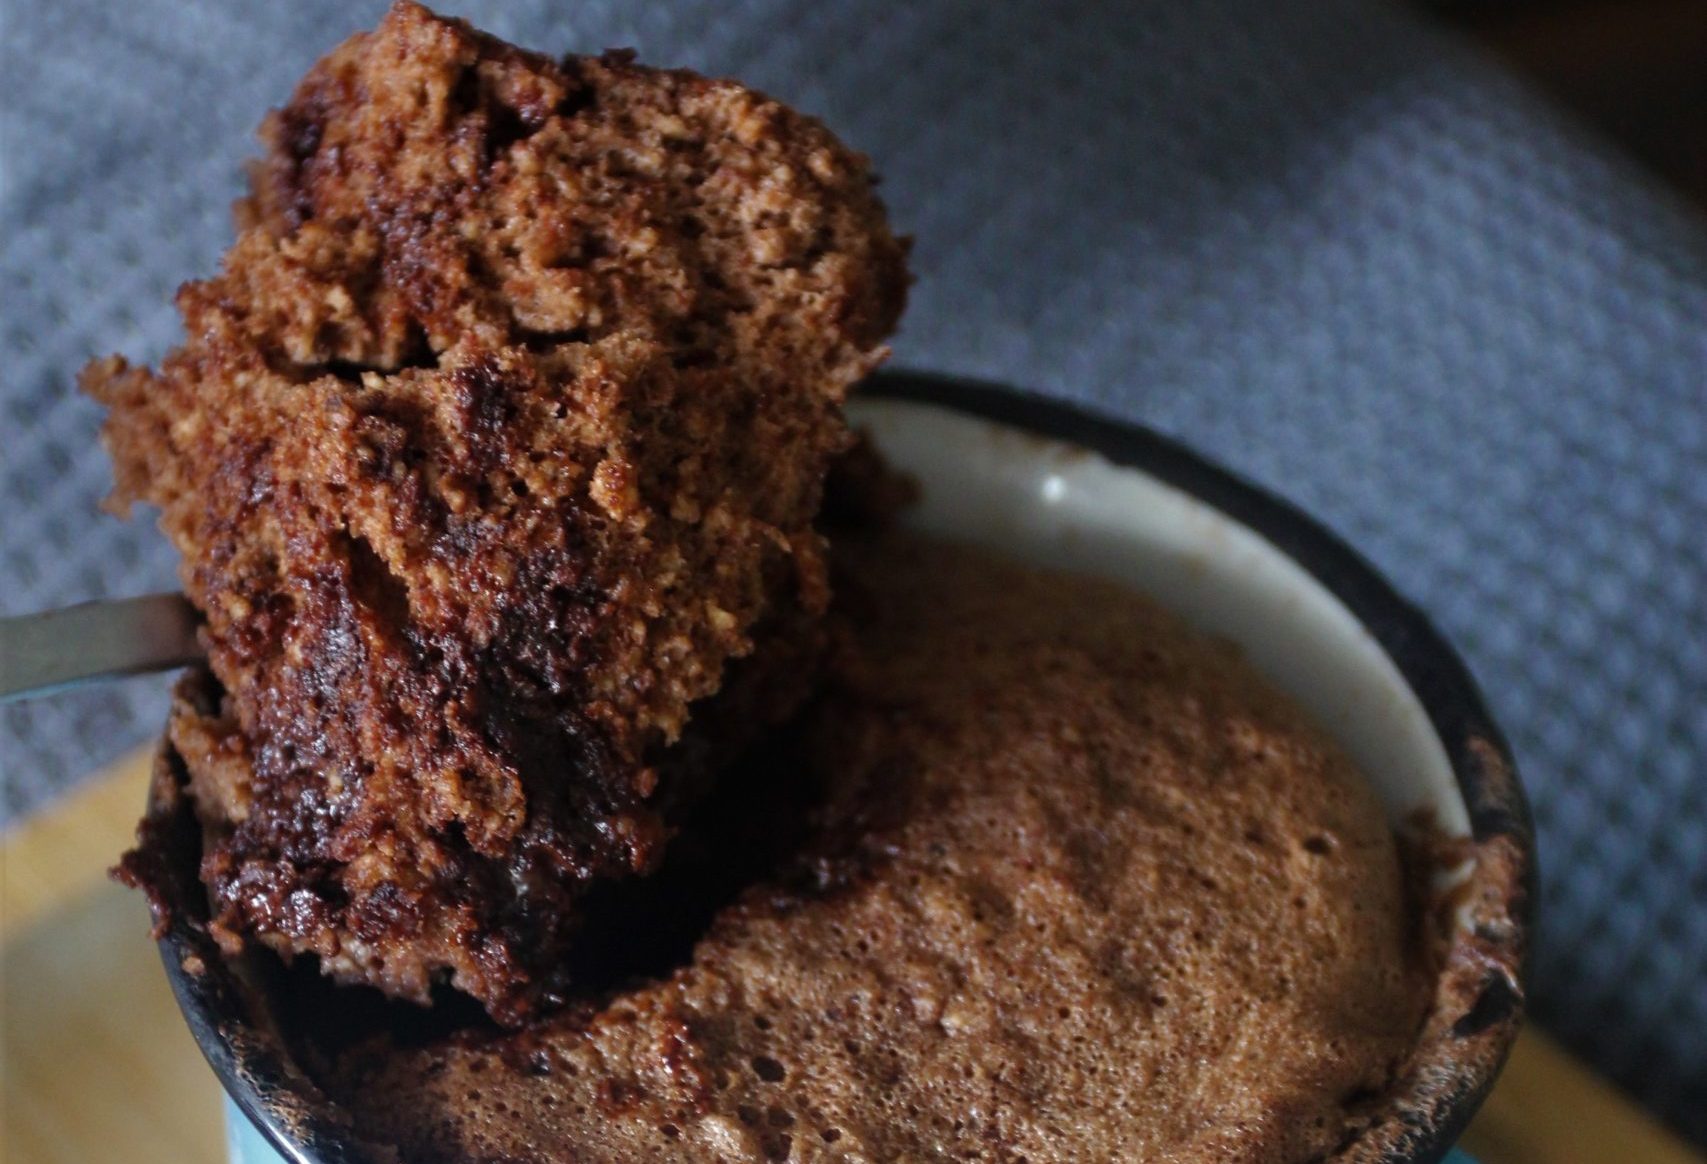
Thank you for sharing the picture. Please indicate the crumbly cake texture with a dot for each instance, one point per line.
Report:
(1082, 887)
(496, 441)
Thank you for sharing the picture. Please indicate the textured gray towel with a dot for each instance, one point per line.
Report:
(1321, 243)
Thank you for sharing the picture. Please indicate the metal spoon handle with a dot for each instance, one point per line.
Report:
(56, 649)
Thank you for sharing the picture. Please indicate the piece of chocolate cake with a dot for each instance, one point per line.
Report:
(493, 454)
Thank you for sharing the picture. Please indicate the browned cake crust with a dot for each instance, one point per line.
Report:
(1083, 888)
(498, 436)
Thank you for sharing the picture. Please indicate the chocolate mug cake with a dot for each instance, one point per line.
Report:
(885, 778)
(540, 705)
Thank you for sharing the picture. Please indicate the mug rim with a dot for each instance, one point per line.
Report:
(247, 1054)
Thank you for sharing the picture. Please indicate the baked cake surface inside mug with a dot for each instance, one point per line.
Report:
(1079, 885)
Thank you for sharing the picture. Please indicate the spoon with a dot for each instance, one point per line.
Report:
(59, 649)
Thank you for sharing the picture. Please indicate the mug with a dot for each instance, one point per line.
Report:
(1039, 480)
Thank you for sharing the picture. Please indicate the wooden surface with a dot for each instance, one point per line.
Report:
(95, 1061)
(97, 1064)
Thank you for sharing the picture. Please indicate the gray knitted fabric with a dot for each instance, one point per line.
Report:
(1318, 241)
